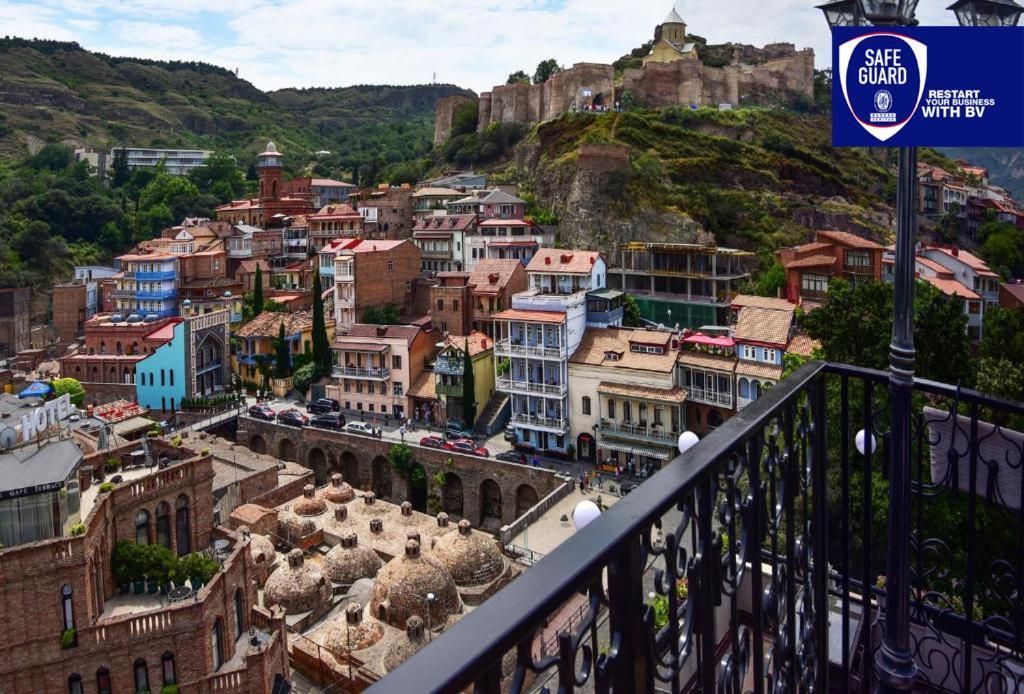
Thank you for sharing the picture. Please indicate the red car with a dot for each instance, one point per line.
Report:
(432, 442)
(468, 447)
(262, 412)
(292, 417)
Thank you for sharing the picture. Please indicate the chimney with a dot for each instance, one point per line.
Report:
(353, 614)
(308, 491)
(336, 480)
(341, 513)
(442, 520)
(413, 535)
(349, 540)
(464, 527)
(295, 559)
(412, 549)
(406, 508)
(370, 498)
(376, 526)
(414, 628)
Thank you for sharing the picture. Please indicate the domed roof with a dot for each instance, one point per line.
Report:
(262, 549)
(405, 582)
(271, 147)
(470, 557)
(349, 561)
(291, 526)
(339, 492)
(297, 586)
(310, 504)
(370, 507)
(351, 631)
(414, 640)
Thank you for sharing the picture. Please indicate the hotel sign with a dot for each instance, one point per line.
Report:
(40, 419)
(928, 86)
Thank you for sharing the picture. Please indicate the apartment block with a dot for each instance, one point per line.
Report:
(451, 303)
(370, 273)
(443, 241)
(15, 320)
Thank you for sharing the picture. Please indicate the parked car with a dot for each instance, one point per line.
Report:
(262, 412)
(453, 430)
(511, 457)
(432, 442)
(359, 428)
(329, 420)
(322, 405)
(510, 434)
(292, 417)
(467, 447)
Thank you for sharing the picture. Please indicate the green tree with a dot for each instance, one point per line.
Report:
(940, 335)
(283, 365)
(219, 176)
(771, 281)
(119, 171)
(545, 69)
(631, 316)
(257, 292)
(321, 345)
(1004, 250)
(468, 388)
(465, 117)
(1003, 335)
(518, 77)
(948, 227)
(381, 315)
(400, 459)
(1001, 378)
(69, 386)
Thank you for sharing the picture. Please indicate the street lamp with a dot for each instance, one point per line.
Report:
(585, 512)
(894, 664)
(687, 440)
(841, 13)
(861, 441)
(986, 13)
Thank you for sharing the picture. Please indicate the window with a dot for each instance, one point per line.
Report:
(183, 525)
(749, 352)
(103, 685)
(657, 415)
(396, 361)
(440, 304)
(858, 258)
(611, 409)
(172, 380)
(974, 307)
(67, 608)
(217, 639)
(397, 390)
(75, 684)
(141, 676)
(163, 524)
(627, 410)
(585, 405)
(391, 265)
(162, 378)
(811, 282)
(455, 304)
(142, 527)
(239, 613)
(771, 355)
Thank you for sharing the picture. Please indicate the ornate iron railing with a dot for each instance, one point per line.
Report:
(778, 526)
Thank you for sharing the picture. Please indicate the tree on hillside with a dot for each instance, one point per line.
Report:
(517, 77)
(257, 292)
(1003, 335)
(283, 360)
(321, 345)
(119, 171)
(948, 227)
(545, 69)
(1003, 248)
(464, 118)
(468, 388)
(220, 177)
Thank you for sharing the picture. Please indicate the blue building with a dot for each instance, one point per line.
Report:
(762, 335)
(147, 284)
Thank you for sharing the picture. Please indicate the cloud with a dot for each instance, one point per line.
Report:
(282, 43)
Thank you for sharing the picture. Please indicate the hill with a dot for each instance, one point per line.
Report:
(1005, 165)
(57, 92)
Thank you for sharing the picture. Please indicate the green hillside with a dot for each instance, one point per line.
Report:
(57, 92)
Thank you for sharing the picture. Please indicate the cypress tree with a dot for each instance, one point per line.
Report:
(257, 292)
(284, 358)
(468, 388)
(321, 346)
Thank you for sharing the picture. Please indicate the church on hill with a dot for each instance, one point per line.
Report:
(670, 42)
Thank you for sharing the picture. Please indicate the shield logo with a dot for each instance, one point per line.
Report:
(883, 76)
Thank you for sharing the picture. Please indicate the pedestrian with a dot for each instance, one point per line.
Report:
(534, 460)
(401, 430)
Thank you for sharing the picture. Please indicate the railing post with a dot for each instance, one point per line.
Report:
(894, 662)
(819, 528)
(709, 589)
(631, 671)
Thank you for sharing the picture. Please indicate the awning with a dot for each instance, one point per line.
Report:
(131, 426)
(36, 390)
(637, 449)
(702, 339)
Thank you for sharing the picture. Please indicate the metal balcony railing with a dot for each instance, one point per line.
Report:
(510, 385)
(508, 347)
(639, 433)
(709, 396)
(358, 372)
(449, 367)
(157, 294)
(453, 389)
(158, 276)
(558, 423)
(778, 525)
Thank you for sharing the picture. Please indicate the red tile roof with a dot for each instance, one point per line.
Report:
(933, 266)
(403, 332)
(1014, 290)
(530, 316)
(969, 259)
(477, 341)
(951, 287)
(847, 239)
(556, 260)
(492, 275)
(811, 261)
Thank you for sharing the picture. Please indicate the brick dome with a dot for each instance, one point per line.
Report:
(350, 629)
(339, 491)
(262, 549)
(470, 557)
(371, 507)
(414, 640)
(297, 586)
(310, 504)
(402, 587)
(349, 561)
(293, 527)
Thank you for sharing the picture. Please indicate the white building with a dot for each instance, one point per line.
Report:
(968, 269)
(177, 161)
(89, 275)
(502, 239)
(945, 280)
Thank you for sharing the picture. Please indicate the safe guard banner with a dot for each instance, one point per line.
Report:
(928, 86)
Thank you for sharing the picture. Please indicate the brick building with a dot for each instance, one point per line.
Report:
(386, 212)
(369, 273)
(335, 221)
(69, 310)
(810, 267)
(15, 320)
(451, 303)
(68, 627)
(494, 282)
(275, 201)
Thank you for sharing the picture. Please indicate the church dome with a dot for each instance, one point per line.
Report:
(414, 640)
(310, 504)
(402, 587)
(297, 586)
(271, 147)
(339, 492)
(349, 561)
(470, 557)
(350, 631)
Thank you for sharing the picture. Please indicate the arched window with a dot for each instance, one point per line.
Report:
(119, 348)
(103, 685)
(218, 643)
(67, 608)
(142, 527)
(141, 676)
(75, 684)
(744, 388)
(170, 672)
(239, 613)
(103, 348)
(163, 524)
(182, 525)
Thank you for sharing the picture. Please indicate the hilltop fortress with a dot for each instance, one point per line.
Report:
(671, 74)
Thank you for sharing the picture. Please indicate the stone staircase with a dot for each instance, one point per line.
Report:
(495, 416)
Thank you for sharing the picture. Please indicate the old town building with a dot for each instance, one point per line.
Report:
(386, 211)
(275, 201)
(451, 303)
(257, 338)
(334, 221)
(369, 274)
(15, 320)
(494, 282)
(811, 266)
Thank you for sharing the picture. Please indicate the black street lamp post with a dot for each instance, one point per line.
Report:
(986, 13)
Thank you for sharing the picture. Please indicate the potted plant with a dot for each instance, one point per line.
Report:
(77, 529)
(106, 487)
(68, 638)
(112, 465)
(123, 564)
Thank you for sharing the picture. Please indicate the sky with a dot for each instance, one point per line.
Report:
(335, 43)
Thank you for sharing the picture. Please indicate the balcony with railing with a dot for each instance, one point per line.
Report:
(372, 374)
(638, 432)
(511, 347)
(449, 366)
(779, 527)
(158, 276)
(156, 294)
(555, 424)
(452, 389)
(515, 385)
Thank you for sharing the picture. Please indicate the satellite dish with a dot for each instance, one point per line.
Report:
(8, 437)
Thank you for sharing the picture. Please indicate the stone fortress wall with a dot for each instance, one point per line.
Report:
(778, 68)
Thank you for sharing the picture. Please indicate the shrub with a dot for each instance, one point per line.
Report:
(200, 566)
(67, 638)
(77, 529)
(169, 689)
(107, 487)
(112, 464)
(205, 451)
